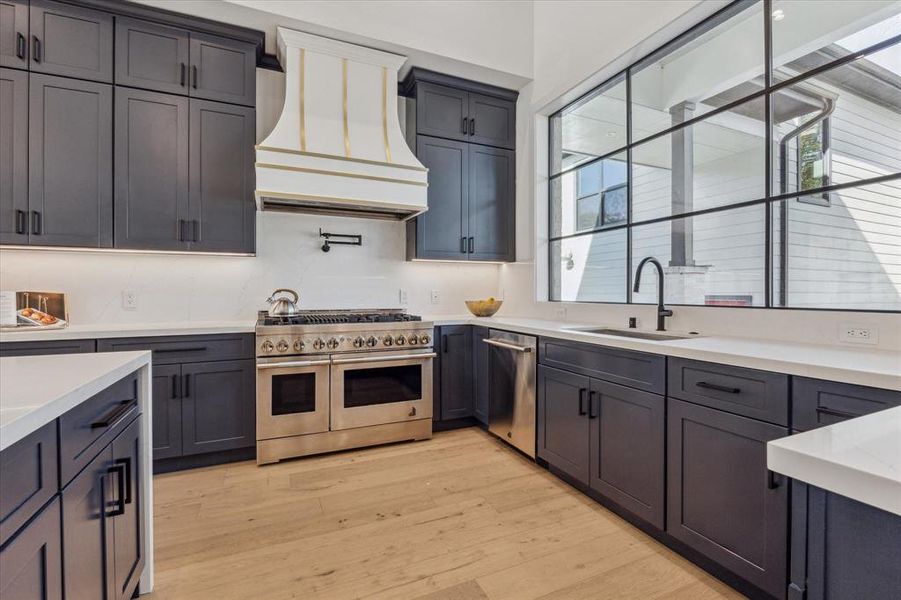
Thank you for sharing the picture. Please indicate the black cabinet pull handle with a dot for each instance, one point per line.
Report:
(444, 343)
(188, 349)
(183, 76)
(174, 386)
(582, 411)
(472, 126)
(21, 221)
(194, 76)
(36, 225)
(463, 128)
(718, 388)
(119, 471)
(825, 410)
(195, 224)
(472, 247)
(592, 413)
(771, 482)
(187, 385)
(21, 45)
(180, 230)
(36, 51)
(115, 414)
(126, 462)
(463, 245)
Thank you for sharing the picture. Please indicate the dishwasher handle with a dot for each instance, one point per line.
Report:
(507, 345)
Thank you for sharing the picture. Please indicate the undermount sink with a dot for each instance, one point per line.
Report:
(632, 333)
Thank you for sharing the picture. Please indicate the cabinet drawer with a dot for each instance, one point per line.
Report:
(816, 403)
(48, 347)
(87, 428)
(28, 470)
(184, 349)
(633, 369)
(748, 392)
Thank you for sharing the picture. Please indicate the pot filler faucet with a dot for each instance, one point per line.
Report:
(662, 311)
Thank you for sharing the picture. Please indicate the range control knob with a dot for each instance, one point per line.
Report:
(388, 341)
(400, 340)
(413, 340)
(332, 343)
(318, 344)
(358, 342)
(282, 346)
(268, 346)
(299, 345)
(425, 339)
(371, 341)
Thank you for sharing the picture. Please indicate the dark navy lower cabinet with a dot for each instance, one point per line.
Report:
(563, 427)
(48, 347)
(816, 403)
(454, 344)
(480, 373)
(842, 549)
(218, 407)
(167, 387)
(627, 448)
(721, 500)
(30, 564)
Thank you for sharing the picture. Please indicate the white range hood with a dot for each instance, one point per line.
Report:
(337, 147)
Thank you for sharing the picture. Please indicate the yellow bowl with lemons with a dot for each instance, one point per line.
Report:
(484, 308)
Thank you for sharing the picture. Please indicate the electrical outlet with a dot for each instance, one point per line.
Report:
(560, 313)
(856, 333)
(129, 300)
(436, 297)
(402, 296)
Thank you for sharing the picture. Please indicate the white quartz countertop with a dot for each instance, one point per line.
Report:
(34, 390)
(119, 330)
(861, 366)
(859, 458)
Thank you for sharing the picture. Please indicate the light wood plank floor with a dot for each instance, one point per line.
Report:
(458, 517)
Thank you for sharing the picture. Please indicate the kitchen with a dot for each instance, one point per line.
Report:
(720, 420)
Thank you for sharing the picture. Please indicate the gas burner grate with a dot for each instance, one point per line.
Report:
(338, 317)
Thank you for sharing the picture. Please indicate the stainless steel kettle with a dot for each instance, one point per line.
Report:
(282, 307)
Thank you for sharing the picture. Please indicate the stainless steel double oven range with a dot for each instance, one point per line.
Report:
(331, 380)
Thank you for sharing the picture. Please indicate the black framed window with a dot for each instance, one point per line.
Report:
(757, 156)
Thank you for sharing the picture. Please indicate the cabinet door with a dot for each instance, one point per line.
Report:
(13, 156)
(14, 33)
(218, 406)
(222, 209)
(493, 121)
(71, 41)
(627, 449)
(152, 56)
(440, 111)
(456, 372)
(223, 69)
(492, 196)
(127, 527)
(720, 500)
(480, 373)
(563, 425)
(70, 162)
(86, 502)
(166, 411)
(30, 565)
(442, 230)
(151, 170)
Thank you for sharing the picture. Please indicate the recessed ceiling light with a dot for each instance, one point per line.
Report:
(778, 14)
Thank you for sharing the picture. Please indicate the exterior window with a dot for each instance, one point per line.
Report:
(756, 180)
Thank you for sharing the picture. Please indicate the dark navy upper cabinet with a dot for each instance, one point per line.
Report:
(70, 162)
(13, 154)
(563, 425)
(464, 133)
(152, 56)
(14, 35)
(627, 448)
(721, 500)
(222, 69)
(222, 210)
(492, 121)
(72, 41)
(151, 195)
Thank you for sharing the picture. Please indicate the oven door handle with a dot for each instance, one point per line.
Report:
(295, 363)
(372, 359)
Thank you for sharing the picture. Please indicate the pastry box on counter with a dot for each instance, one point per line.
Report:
(33, 309)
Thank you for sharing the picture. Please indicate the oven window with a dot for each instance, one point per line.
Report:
(292, 394)
(367, 387)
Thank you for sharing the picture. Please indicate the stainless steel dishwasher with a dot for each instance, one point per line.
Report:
(511, 388)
